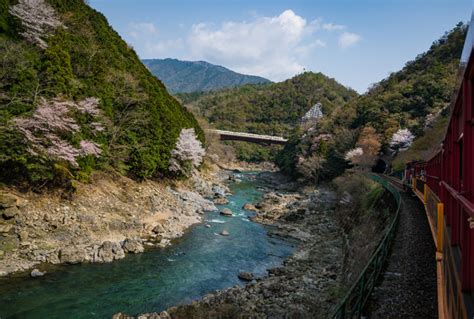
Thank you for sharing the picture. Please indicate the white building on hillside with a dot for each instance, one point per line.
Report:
(314, 113)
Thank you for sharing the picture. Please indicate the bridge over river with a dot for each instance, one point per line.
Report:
(249, 137)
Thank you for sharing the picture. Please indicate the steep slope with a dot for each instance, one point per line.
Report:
(190, 76)
(415, 98)
(412, 97)
(273, 109)
(74, 97)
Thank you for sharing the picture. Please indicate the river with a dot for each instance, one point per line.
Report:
(200, 262)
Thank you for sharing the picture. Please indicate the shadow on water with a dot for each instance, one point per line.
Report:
(198, 263)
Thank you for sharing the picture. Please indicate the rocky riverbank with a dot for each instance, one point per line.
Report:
(306, 285)
(103, 220)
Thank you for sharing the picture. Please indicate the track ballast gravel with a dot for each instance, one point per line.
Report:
(407, 288)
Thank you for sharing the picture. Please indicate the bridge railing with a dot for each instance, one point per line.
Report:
(353, 303)
(231, 135)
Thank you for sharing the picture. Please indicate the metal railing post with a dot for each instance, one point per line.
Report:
(440, 234)
(425, 193)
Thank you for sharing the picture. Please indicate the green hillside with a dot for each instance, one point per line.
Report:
(273, 109)
(424, 86)
(191, 76)
(70, 57)
(415, 98)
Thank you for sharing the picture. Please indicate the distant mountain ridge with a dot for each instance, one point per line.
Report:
(191, 76)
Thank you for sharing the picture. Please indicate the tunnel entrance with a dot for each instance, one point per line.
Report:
(379, 167)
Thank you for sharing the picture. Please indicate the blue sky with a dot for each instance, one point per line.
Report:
(357, 42)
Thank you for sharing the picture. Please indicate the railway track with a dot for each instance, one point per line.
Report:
(407, 288)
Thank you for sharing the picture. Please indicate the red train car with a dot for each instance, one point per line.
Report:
(447, 180)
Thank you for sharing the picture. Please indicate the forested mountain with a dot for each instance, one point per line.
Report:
(274, 108)
(411, 97)
(410, 102)
(75, 97)
(191, 76)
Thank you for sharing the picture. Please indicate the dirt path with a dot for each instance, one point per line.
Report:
(408, 285)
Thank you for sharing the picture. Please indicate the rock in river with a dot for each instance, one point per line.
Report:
(225, 233)
(36, 273)
(246, 276)
(250, 206)
(226, 212)
(221, 201)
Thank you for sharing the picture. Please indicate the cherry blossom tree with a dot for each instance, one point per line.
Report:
(89, 106)
(353, 154)
(187, 154)
(38, 19)
(401, 140)
(46, 131)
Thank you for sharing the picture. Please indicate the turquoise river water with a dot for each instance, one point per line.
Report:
(198, 263)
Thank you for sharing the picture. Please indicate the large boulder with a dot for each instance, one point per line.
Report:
(9, 212)
(218, 191)
(36, 273)
(158, 229)
(5, 228)
(8, 200)
(133, 246)
(110, 251)
(72, 255)
(246, 276)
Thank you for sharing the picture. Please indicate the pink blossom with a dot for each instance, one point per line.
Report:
(188, 149)
(90, 148)
(354, 153)
(51, 116)
(50, 122)
(401, 140)
(38, 18)
(97, 127)
(89, 106)
(61, 149)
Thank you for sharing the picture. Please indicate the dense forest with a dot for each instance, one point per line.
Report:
(273, 109)
(75, 97)
(194, 76)
(413, 102)
(412, 97)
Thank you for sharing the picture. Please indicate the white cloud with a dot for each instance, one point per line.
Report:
(348, 39)
(161, 49)
(333, 27)
(276, 47)
(142, 30)
(267, 46)
(146, 37)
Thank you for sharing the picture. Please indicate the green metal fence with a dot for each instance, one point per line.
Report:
(354, 301)
(398, 174)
